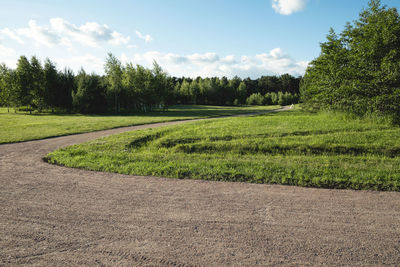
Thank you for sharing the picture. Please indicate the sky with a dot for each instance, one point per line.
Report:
(247, 38)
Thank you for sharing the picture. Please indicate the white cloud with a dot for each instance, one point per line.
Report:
(147, 38)
(204, 58)
(90, 34)
(275, 62)
(62, 32)
(287, 7)
(11, 34)
(42, 35)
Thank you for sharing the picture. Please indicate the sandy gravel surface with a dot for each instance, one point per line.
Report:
(51, 215)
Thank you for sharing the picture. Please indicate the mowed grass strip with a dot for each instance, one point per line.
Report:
(290, 148)
(17, 127)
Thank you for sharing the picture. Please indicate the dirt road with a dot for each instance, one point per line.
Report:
(52, 215)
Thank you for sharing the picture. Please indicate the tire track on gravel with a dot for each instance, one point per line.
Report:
(53, 215)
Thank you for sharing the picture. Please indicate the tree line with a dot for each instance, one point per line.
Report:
(36, 86)
(358, 70)
(235, 91)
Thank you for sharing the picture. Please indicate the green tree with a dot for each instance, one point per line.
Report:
(24, 81)
(66, 87)
(162, 88)
(7, 87)
(194, 92)
(51, 84)
(184, 92)
(90, 94)
(358, 71)
(241, 93)
(113, 70)
(130, 89)
(255, 99)
(38, 84)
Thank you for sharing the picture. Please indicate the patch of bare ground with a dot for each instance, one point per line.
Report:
(52, 215)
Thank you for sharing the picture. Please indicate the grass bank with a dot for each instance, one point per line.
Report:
(17, 127)
(291, 148)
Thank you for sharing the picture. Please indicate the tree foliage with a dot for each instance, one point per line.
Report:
(113, 70)
(358, 71)
(8, 96)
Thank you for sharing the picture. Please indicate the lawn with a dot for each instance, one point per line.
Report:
(16, 127)
(291, 148)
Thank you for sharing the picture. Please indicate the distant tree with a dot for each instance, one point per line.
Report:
(113, 70)
(162, 86)
(205, 90)
(52, 84)
(24, 81)
(255, 99)
(67, 87)
(252, 86)
(38, 84)
(131, 95)
(268, 99)
(169, 95)
(148, 92)
(241, 93)
(268, 84)
(194, 92)
(184, 92)
(225, 95)
(90, 94)
(234, 83)
(289, 83)
(7, 87)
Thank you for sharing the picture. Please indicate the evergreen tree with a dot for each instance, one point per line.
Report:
(24, 81)
(90, 94)
(67, 87)
(51, 84)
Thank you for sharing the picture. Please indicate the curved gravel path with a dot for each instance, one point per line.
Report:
(52, 215)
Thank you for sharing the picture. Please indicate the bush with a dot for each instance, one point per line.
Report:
(255, 99)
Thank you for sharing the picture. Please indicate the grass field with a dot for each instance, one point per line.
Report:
(291, 148)
(16, 127)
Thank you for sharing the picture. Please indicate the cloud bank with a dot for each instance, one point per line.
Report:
(275, 62)
(287, 7)
(62, 32)
(60, 35)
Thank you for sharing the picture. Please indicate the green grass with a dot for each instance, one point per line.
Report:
(17, 127)
(291, 148)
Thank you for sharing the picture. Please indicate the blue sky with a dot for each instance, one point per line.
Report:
(187, 37)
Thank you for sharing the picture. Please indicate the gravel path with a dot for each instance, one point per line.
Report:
(52, 215)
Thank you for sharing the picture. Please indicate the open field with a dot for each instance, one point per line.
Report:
(51, 215)
(23, 127)
(290, 148)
